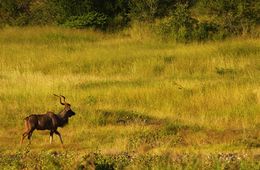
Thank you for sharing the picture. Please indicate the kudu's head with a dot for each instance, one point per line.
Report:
(67, 110)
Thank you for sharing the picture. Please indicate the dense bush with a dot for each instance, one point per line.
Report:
(91, 19)
(235, 17)
(114, 13)
(149, 10)
(41, 13)
(143, 10)
(181, 27)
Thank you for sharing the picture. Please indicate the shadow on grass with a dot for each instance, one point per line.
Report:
(226, 71)
(105, 84)
(122, 117)
(155, 132)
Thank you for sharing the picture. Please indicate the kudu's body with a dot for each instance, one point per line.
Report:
(48, 121)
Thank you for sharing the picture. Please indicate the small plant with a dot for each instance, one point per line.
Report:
(158, 70)
(168, 59)
(148, 138)
(223, 71)
(100, 161)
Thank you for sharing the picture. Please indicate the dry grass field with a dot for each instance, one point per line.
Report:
(139, 103)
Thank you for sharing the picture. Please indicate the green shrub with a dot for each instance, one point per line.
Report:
(179, 25)
(235, 17)
(105, 162)
(182, 23)
(91, 19)
(143, 10)
(118, 22)
(204, 31)
(42, 13)
(21, 20)
(182, 27)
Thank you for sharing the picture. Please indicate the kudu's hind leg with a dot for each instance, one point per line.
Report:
(23, 136)
(28, 133)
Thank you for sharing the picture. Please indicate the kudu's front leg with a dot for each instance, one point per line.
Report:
(58, 133)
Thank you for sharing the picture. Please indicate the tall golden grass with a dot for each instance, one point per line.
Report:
(213, 85)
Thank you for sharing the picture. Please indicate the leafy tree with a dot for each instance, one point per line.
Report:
(143, 10)
(179, 24)
(148, 10)
(233, 16)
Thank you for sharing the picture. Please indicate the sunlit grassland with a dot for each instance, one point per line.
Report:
(200, 97)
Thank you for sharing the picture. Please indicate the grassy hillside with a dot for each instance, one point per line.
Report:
(138, 103)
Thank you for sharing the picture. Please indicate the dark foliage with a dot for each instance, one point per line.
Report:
(184, 20)
(91, 19)
(234, 17)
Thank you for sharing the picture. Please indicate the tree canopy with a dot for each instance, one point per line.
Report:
(191, 19)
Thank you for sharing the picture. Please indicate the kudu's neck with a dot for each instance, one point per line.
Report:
(63, 114)
(64, 119)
